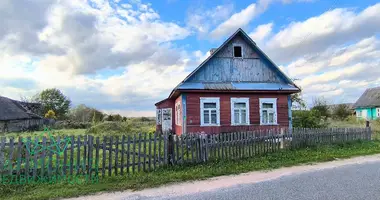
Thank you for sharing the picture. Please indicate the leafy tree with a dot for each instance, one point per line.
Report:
(320, 105)
(50, 115)
(117, 117)
(341, 112)
(297, 98)
(83, 113)
(54, 99)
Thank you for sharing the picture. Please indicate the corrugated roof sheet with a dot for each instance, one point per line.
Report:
(370, 98)
(218, 86)
(12, 110)
(237, 86)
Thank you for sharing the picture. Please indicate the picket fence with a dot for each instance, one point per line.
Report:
(108, 156)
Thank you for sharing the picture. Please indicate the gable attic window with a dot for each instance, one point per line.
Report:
(238, 52)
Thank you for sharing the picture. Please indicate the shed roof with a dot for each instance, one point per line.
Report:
(370, 98)
(13, 110)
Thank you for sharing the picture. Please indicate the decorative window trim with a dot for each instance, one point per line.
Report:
(239, 100)
(178, 114)
(233, 51)
(268, 100)
(210, 100)
(158, 116)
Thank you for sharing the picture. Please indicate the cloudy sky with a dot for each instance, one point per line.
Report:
(122, 56)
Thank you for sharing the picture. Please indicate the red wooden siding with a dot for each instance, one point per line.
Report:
(178, 129)
(168, 103)
(193, 112)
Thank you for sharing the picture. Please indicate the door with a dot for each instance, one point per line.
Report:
(166, 119)
(364, 114)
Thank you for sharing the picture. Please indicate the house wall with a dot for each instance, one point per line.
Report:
(371, 113)
(178, 128)
(20, 125)
(223, 67)
(193, 112)
(168, 103)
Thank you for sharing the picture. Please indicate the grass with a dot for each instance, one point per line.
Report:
(60, 132)
(353, 122)
(197, 172)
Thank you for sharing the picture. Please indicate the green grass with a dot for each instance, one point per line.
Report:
(353, 122)
(197, 172)
(60, 132)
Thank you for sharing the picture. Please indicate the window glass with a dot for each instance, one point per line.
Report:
(271, 118)
(267, 105)
(213, 116)
(209, 105)
(239, 105)
(236, 116)
(206, 117)
(265, 116)
(243, 117)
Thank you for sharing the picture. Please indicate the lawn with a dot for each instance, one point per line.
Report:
(353, 122)
(196, 172)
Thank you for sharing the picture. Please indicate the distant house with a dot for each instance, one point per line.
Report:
(368, 105)
(236, 88)
(19, 116)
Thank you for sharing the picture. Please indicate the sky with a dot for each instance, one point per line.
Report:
(122, 56)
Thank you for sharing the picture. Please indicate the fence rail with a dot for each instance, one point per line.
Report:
(108, 156)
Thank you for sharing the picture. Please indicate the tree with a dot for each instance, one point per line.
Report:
(83, 113)
(50, 115)
(296, 98)
(308, 119)
(341, 112)
(320, 104)
(54, 99)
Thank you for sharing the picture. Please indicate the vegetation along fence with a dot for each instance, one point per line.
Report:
(107, 156)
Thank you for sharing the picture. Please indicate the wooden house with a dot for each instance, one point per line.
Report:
(19, 116)
(236, 88)
(367, 107)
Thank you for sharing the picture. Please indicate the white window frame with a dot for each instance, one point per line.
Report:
(239, 100)
(274, 110)
(210, 100)
(158, 116)
(233, 51)
(178, 114)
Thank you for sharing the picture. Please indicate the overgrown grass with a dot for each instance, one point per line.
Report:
(353, 122)
(185, 173)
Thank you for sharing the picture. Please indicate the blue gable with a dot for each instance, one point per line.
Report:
(253, 71)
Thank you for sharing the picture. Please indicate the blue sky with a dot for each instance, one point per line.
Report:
(122, 56)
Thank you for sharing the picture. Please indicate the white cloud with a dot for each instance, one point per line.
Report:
(261, 32)
(315, 34)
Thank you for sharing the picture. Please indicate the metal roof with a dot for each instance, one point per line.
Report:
(237, 86)
(370, 98)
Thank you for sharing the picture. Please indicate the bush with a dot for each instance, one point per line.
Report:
(68, 124)
(308, 119)
(341, 112)
(121, 128)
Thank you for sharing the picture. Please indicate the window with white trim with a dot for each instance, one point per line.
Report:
(158, 117)
(268, 111)
(210, 111)
(178, 113)
(240, 111)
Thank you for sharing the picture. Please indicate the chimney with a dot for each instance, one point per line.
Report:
(212, 50)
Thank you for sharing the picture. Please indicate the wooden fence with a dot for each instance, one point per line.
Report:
(108, 156)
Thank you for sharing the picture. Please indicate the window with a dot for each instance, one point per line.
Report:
(178, 113)
(158, 117)
(238, 52)
(378, 112)
(268, 111)
(240, 111)
(210, 113)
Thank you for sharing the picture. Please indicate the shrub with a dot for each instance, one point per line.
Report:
(68, 124)
(341, 112)
(308, 119)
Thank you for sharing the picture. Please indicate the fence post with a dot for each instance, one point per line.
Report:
(282, 138)
(368, 130)
(170, 148)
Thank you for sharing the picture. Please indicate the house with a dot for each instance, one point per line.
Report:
(236, 88)
(19, 116)
(368, 105)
